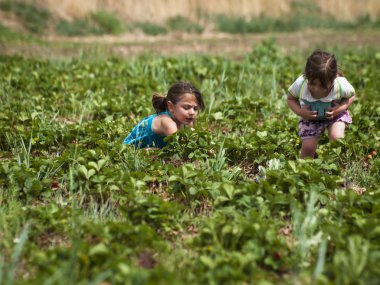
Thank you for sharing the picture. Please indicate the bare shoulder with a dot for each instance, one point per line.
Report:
(164, 125)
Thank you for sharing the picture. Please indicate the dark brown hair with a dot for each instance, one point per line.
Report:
(174, 95)
(323, 66)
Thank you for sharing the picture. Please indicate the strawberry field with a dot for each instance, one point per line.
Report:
(226, 203)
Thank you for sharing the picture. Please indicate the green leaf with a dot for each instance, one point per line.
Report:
(94, 165)
(86, 173)
(292, 166)
(217, 116)
(262, 134)
(99, 249)
(229, 190)
(207, 261)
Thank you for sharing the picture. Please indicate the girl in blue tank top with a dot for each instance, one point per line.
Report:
(179, 108)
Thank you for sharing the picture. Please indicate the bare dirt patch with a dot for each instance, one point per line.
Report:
(11, 22)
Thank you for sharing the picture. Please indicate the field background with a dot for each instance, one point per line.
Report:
(161, 10)
(226, 203)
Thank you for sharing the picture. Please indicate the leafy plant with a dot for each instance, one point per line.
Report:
(226, 202)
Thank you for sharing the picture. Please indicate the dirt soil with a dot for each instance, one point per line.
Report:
(232, 46)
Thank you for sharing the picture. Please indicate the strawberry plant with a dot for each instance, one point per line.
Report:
(226, 202)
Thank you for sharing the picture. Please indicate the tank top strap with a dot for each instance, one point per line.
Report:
(166, 113)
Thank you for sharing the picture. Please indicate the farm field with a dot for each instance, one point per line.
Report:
(226, 203)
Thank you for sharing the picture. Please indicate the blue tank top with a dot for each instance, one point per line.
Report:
(142, 135)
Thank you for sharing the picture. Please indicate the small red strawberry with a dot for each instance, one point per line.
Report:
(55, 184)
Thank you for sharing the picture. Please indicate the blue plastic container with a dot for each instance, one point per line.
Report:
(320, 107)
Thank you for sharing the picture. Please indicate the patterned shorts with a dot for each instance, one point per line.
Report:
(309, 129)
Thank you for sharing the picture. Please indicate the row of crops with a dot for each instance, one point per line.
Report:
(226, 203)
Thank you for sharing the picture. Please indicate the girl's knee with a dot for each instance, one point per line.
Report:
(308, 153)
(336, 136)
(336, 131)
(308, 148)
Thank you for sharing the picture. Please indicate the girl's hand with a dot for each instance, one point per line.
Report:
(302, 111)
(335, 110)
(307, 114)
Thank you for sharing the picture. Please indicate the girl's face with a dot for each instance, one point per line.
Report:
(317, 90)
(185, 110)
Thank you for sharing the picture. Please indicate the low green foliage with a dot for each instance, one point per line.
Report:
(108, 22)
(78, 27)
(8, 35)
(98, 23)
(226, 203)
(240, 25)
(181, 23)
(151, 28)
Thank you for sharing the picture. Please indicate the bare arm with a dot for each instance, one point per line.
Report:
(339, 107)
(305, 113)
(164, 125)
